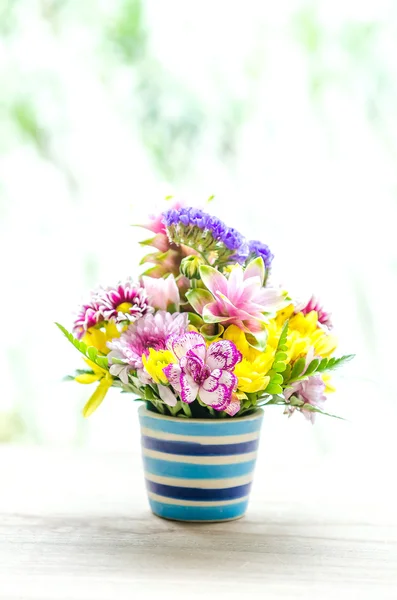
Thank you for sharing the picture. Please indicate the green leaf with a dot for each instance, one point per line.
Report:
(311, 408)
(199, 298)
(279, 367)
(89, 352)
(274, 388)
(312, 367)
(195, 320)
(294, 401)
(211, 331)
(281, 356)
(298, 368)
(335, 363)
(97, 397)
(257, 340)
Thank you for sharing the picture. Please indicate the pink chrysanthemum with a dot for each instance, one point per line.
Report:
(151, 331)
(88, 316)
(324, 317)
(125, 302)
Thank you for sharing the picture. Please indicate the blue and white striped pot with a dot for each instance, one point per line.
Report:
(199, 469)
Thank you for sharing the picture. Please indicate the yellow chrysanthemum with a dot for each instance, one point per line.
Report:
(99, 337)
(251, 371)
(155, 363)
(303, 333)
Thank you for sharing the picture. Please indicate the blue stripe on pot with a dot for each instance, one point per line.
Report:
(189, 493)
(196, 471)
(201, 427)
(199, 513)
(199, 470)
(196, 449)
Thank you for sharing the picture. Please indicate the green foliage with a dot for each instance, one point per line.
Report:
(317, 365)
(89, 352)
(279, 365)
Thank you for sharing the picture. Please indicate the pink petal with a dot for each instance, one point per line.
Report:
(213, 279)
(222, 355)
(166, 395)
(233, 407)
(256, 268)
(235, 283)
(211, 314)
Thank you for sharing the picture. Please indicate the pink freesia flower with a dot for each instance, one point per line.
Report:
(204, 372)
(162, 293)
(151, 331)
(324, 317)
(239, 299)
(309, 391)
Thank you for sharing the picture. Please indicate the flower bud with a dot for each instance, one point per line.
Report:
(190, 266)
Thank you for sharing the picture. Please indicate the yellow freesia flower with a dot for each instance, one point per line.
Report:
(251, 371)
(98, 373)
(98, 337)
(155, 363)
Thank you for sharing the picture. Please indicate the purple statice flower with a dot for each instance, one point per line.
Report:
(150, 331)
(88, 316)
(211, 233)
(324, 317)
(257, 248)
(310, 391)
(206, 372)
(125, 302)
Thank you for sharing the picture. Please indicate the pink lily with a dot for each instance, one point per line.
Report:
(204, 372)
(239, 299)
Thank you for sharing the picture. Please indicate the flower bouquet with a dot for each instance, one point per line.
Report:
(205, 340)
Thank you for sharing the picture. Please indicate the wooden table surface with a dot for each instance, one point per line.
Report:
(76, 526)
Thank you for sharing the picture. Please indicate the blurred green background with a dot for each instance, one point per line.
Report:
(287, 112)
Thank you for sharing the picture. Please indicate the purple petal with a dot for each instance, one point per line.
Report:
(218, 396)
(173, 374)
(185, 342)
(223, 355)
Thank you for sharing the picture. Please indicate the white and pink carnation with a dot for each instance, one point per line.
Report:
(204, 372)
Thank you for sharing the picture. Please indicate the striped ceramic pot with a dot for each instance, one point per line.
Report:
(199, 469)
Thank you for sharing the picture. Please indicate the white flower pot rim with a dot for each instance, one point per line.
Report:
(144, 412)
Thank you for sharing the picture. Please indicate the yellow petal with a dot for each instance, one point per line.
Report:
(97, 397)
(87, 378)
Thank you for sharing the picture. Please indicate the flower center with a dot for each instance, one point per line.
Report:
(124, 307)
(198, 370)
